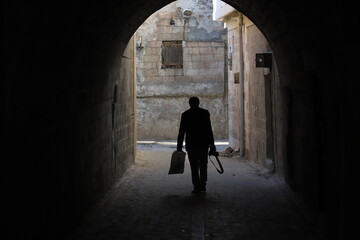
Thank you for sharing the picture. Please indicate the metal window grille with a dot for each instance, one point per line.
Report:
(172, 54)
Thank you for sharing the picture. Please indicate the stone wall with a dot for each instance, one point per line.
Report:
(254, 83)
(56, 89)
(235, 83)
(75, 136)
(162, 93)
(123, 113)
(250, 99)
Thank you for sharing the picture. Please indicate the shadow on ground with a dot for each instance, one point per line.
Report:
(240, 204)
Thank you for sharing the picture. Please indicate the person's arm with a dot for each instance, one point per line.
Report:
(181, 134)
(211, 137)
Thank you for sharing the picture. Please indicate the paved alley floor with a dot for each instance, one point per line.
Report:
(241, 204)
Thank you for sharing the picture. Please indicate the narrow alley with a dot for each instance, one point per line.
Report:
(243, 203)
(282, 78)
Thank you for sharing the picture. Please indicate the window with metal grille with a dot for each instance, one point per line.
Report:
(172, 54)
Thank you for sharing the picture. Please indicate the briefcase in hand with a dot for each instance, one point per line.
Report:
(177, 162)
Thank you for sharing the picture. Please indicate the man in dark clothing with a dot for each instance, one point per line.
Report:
(196, 125)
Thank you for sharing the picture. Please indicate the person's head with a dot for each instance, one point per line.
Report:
(194, 102)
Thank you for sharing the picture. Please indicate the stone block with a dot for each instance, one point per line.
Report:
(156, 79)
(207, 58)
(210, 65)
(204, 44)
(177, 30)
(187, 58)
(163, 29)
(151, 58)
(167, 15)
(162, 22)
(150, 51)
(217, 44)
(199, 65)
(148, 65)
(166, 36)
(192, 44)
(206, 50)
(195, 51)
(178, 72)
(168, 79)
(219, 51)
(204, 72)
(151, 73)
(196, 58)
(177, 36)
(167, 72)
(199, 78)
(180, 78)
(154, 44)
(187, 64)
(191, 72)
(218, 57)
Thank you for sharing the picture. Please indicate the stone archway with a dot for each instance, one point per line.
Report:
(63, 59)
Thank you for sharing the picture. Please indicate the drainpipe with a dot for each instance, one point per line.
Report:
(185, 21)
(226, 87)
(241, 83)
(134, 95)
(186, 16)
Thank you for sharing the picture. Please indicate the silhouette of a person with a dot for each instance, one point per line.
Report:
(195, 126)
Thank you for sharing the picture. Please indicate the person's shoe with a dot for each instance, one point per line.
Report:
(196, 191)
(203, 188)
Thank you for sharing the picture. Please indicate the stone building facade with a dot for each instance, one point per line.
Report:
(251, 88)
(180, 53)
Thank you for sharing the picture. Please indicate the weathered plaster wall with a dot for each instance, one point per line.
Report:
(248, 129)
(280, 111)
(123, 113)
(162, 93)
(254, 94)
(235, 91)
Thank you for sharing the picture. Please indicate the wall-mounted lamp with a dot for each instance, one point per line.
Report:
(187, 13)
(263, 60)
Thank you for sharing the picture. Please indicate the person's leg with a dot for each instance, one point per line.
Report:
(203, 169)
(194, 165)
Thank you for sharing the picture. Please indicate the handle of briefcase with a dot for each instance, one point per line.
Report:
(221, 170)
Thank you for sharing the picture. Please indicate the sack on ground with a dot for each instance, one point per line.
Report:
(177, 162)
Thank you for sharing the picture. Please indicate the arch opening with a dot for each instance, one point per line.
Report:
(255, 141)
(67, 68)
(294, 77)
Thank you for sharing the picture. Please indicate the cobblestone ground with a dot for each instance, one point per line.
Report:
(240, 204)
